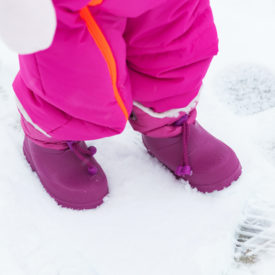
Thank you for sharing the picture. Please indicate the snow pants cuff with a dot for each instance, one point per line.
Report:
(150, 123)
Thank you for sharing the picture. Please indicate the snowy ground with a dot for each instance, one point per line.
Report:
(152, 224)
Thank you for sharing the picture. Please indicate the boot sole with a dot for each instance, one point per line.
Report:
(209, 188)
(62, 203)
(219, 186)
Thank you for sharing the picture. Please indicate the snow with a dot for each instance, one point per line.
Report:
(152, 223)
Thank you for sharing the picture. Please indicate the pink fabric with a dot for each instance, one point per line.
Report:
(158, 127)
(162, 49)
(40, 139)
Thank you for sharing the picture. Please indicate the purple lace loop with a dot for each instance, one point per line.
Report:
(84, 154)
(184, 169)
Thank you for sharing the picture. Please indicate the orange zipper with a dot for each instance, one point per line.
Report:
(95, 2)
(106, 51)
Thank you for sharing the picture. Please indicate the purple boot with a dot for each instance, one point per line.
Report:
(195, 155)
(72, 176)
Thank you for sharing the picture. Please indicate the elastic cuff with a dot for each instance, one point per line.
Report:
(40, 139)
(159, 124)
(26, 117)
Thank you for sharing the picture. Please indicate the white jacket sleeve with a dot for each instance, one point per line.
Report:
(27, 26)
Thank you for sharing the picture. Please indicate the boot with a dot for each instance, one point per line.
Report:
(196, 156)
(71, 176)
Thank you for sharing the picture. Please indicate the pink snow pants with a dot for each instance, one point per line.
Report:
(108, 54)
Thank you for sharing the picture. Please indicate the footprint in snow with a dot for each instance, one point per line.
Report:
(255, 235)
(247, 88)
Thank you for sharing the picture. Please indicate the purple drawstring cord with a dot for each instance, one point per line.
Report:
(84, 154)
(184, 169)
